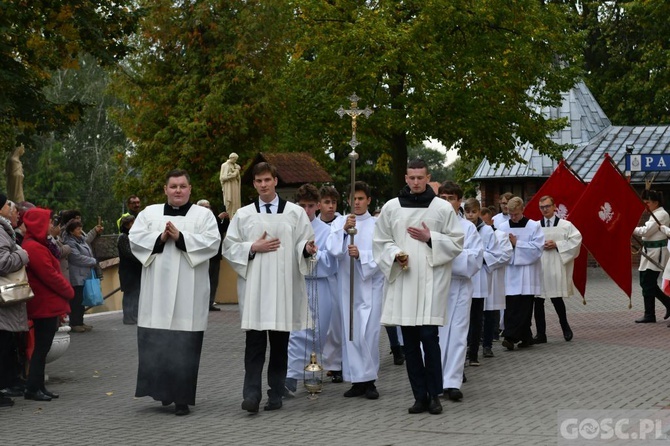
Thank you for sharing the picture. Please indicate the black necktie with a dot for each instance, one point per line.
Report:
(548, 223)
(267, 208)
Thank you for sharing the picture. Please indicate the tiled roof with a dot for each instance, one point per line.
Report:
(653, 139)
(293, 168)
(587, 121)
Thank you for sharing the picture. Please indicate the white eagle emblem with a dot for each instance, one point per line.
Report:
(606, 214)
(562, 211)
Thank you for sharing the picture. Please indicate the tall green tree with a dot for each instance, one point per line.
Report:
(197, 89)
(76, 169)
(627, 58)
(41, 37)
(465, 73)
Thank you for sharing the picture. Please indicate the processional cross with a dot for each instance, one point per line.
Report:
(354, 112)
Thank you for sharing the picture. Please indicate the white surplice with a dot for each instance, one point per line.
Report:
(417, 295)
(270, 287)
(360, 356)
(524, 273)
(558, 264)
(499, 219)
(454, 334)
(175, 283)
(481, 282)
(302, 342)
(496, 298)
(332, 349)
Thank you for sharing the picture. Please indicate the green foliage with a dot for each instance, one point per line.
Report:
(52, 185)
(76, 169)
(465, 73)
(41, 37)
(198, 89)
(627, 59)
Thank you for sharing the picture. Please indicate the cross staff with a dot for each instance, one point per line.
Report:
(354, 112)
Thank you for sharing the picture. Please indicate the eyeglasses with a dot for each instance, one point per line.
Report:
(546, 206)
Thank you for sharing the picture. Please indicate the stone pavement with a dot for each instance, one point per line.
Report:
(511, 399)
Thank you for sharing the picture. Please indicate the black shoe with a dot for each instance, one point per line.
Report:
(488, 352)
(273, 405)
(398, 355)
(453, 394)
(50, 394)
(371, 392)
(646, 320)
(165, 403)
(11, 392)
(6, 402)
(336, 376)
(213, 308)
(435, 407)
(539, 339)
(465, 378)
(418, 407)
(567, 334)
(36, 396)
(509, 345)
(181, 410)
(525, 344)
(250, 405)
(474, 363)
(357, 389)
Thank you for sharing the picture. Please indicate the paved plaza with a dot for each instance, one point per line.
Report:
(511, 399)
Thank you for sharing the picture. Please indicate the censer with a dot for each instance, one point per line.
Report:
(313, 374)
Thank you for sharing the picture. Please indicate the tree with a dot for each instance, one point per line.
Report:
(40, 38)
(198, 88)
(626, 58)
(464, 73)
(76, 169)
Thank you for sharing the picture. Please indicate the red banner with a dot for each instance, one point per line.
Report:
(565, 187)
(606, 215)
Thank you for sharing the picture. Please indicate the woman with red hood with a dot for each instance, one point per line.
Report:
(52, 293)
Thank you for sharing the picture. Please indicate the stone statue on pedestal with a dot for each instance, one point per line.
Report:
(230, 184)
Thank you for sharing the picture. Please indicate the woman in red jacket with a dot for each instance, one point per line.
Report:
(52, 293)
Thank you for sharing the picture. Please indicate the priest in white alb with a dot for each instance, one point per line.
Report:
(417, 235)
(562, 242)
(268, 244)
(174, 242)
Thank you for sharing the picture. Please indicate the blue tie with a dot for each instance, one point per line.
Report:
(267, 208)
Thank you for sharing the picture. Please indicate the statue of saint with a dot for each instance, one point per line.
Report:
(230, 184)
(14, 173)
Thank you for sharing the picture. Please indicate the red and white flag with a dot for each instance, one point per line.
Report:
(606, 215)
(565, 187)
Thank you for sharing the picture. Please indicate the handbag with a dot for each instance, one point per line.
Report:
(14, 288)
(92, 291)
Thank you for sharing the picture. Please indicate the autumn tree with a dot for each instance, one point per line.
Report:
(462, 72)
(626, 57)
(39, 38)
(76, 169)
(197, 89)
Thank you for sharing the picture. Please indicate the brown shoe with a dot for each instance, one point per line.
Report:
(87, 327)
(78, 329)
